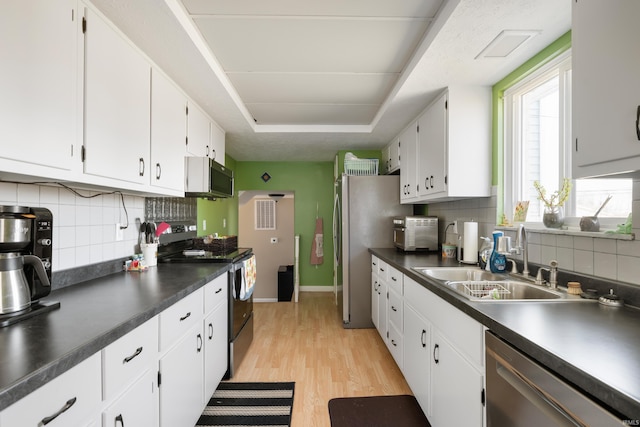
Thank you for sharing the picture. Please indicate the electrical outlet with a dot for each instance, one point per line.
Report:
(455, 227)
(119, 232)
(204, 224)
(224, 222)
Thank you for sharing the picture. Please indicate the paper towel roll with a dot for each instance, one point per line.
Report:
(470, 242)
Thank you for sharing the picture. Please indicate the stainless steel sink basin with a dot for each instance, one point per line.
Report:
(505, 290)
(459, 273)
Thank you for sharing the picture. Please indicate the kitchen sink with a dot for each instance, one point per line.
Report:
(507, 290)
(459, 273)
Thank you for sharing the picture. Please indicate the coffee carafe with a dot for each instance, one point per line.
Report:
(25, 257)
(15, 294)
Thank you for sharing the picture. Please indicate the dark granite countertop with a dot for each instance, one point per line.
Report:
(92, 315)
(594, 347)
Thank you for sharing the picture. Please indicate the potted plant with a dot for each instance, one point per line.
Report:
(553, 216)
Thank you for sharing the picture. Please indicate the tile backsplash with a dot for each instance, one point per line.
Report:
(605, 257)
(84, 228)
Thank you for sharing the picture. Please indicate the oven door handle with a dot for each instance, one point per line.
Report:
(538, 397)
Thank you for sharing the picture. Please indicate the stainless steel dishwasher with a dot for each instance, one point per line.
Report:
(521, 393)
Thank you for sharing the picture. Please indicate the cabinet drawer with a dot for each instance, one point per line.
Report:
(128, 357)
(215, 292)
(375, 264)
(383, 270)
(395, 280)
(395, 345)
(395, 309)
(68, 400)
(176, 320)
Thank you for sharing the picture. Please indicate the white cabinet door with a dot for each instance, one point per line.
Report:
(375, 300)
(417, 348)
(168, 133)
(181, 381)
(138, 406)
(198, 132)
(217, 141)
(117, 105)
(409, 151)
(605, 90)
(455, 385)
(432, 141)
(215, 350)
(382, 310)
(38, 81)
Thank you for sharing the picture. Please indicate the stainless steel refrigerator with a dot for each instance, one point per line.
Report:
(363, 219)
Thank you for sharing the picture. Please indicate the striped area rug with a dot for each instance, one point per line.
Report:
(249, 404)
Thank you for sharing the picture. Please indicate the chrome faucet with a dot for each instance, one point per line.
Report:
(553, 275)
(521, 248)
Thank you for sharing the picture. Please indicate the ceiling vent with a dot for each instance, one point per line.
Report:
(506, 43)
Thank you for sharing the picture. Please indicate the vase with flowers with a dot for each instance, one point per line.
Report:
(553, 215)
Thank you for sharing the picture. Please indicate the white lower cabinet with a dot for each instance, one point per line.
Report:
(443, 362)
(417, 353)
(181, 381)
(72, 399)
(137, 406)
(181, 362)
(162, 373)
(216, 336)
(455, 384)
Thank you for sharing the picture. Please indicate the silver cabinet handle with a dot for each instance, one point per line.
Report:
(423, 338)
(436, 348)
(141, 167)
(199, 340)
(65, 408)
(185, 316)
(120, 419)
(158, 171)
(133, 356)
(210, 331)
(218, 291)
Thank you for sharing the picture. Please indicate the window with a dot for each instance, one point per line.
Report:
(537, 112)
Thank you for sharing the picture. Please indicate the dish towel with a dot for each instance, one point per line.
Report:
(317, 251)
(248, 278)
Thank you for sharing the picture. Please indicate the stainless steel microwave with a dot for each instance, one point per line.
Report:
(417, 232)
(204, 177)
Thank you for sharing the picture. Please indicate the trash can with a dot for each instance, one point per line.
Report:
(285, 282)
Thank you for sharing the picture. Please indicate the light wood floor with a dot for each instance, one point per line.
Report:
(305, 343)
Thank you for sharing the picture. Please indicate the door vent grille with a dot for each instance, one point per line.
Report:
(265, 215)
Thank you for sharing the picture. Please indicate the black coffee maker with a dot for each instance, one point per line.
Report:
(25, 261)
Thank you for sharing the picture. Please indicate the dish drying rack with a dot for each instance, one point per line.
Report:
(485, 290)
(361, 167)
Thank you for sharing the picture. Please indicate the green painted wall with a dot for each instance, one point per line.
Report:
(312, 184)
(217, 212)
(559, 46)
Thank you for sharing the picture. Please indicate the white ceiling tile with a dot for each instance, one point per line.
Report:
(311, 44)
(313, 87)
(312, 114)
(396, 8)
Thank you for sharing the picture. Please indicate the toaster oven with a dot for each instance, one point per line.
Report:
(417, 232)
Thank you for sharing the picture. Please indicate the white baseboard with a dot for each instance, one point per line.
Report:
(316, 288)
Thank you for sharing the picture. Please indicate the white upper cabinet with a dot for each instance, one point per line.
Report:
(38, 82)
(204, 137)
(605, 90)
(168, 133)
(391, 156)
(116, 105)
(432, 141)
(408, 152)
(198, 132)
(447, 153)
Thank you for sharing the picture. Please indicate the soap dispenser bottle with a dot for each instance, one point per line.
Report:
(497, 261)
